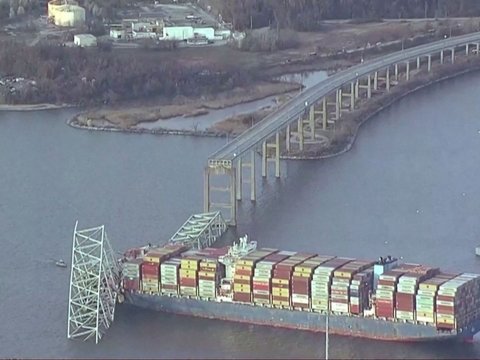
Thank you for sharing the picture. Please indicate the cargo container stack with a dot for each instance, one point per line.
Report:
(281, 279)
(189, 265)
(169, 276)
(151, 266)
(262, 279)
(359, 291)
(209, 278)
(244, 271)
(282, 283)
(301, 281)
(321, 281)
(458, 301)
(132, 275)
(405, 303)
(342, 277)
(385, 294)
(425, 302)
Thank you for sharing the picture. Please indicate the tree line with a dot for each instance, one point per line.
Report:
(93, 76)
(306, 15)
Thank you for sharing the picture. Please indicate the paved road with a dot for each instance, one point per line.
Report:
(291, 110)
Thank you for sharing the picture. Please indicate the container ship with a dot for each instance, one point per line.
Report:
(381, 299)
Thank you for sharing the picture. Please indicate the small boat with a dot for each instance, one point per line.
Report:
(60, 263)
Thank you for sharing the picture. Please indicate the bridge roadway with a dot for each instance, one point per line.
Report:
(292, 109)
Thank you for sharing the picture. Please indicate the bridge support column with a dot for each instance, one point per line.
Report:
(233, 208)
(311, 120)
(396, 72)
(253, 185)
(264, 159)
(466, 49)
(352, 96)
(441, 56)
(453, 55)
(387, 79)
(230, 189)
(429, 64)
(277, 155)
(478, 48)
(418, 63)
(357, 87)
(287, 138)
(300, 133)
(324, 113)
(206, 190)
(369, 86)
(338, 103)
(239, 179)
(408, 71)
(375, 81)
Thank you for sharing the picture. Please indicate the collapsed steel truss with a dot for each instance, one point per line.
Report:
(200, 230)
(94, 281)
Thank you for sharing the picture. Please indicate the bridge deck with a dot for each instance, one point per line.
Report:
(291, 110)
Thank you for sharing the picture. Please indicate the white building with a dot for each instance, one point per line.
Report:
(85, 40)
(117, 33)
(187, 32)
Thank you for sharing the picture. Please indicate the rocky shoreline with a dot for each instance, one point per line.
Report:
(358, 117)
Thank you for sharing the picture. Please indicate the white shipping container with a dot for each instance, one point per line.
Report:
(299, 298)
(339, 307)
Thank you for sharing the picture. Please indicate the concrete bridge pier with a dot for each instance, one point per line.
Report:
(287, 138)
(300, 134)
(407, 71)
(418, 63)
(453, 55)
(266, 158)
(441, 56)
(375, 81)
(429, 63)
(386, 78)
(249, 179)
(478, 48)
(221, 169)
(396, 72)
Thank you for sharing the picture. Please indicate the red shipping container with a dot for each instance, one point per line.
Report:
(261, 287)
(280, 298)
(442, 309)
(131, 284)
(188, 282)
(169, 286)
(242, 297)
(261, 296)
(244, 272)
(244, 281)
(445, 298)
(150, 268)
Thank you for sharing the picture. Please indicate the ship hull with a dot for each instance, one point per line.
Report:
(299, 320)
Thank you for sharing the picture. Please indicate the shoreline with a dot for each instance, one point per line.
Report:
(34, 107)
(346, 143)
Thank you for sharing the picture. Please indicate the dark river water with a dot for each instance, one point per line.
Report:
(409, 187)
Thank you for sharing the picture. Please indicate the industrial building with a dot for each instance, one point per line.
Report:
(84, 40)
(66, 13)
(159, 30)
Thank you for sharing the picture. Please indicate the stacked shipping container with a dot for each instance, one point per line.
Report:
(284, 279)
(425, 299)
(262, 279)
(321, 281)
(244, 271)
(132, 275)
(340, 289)
(458, 301)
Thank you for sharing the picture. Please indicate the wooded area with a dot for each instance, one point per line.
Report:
(91, 76)
(307, 15)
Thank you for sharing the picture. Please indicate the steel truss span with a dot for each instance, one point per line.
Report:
(94, 282)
